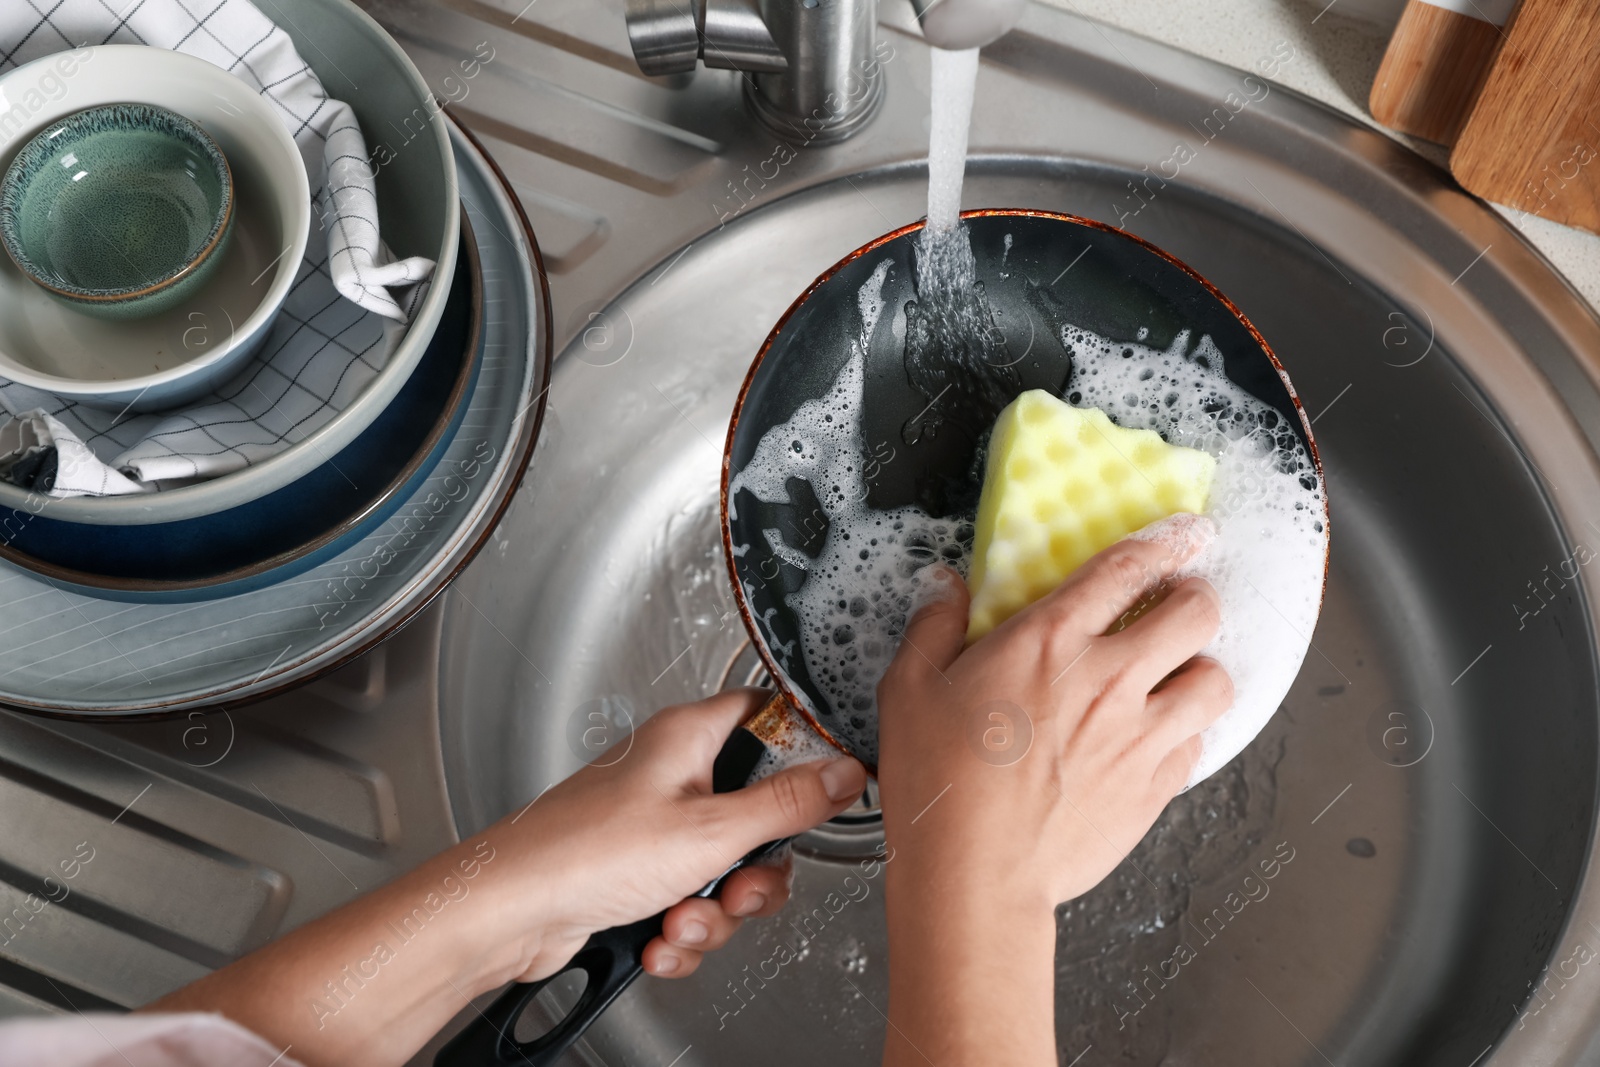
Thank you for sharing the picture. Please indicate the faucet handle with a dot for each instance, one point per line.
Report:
(665, 35)
(959, 24)
(672, 36)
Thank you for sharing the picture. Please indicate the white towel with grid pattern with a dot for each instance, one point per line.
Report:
(341, 320)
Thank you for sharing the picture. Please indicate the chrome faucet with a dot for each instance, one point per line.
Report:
(815, 66)
(959, 24)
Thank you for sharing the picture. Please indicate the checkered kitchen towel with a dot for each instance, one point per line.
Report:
(339, 324)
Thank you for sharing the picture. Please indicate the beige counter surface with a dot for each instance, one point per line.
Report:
(1338, 47)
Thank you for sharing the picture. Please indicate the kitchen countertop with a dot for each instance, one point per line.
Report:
(1338, 48)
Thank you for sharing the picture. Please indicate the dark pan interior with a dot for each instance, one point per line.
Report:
(1040, 271)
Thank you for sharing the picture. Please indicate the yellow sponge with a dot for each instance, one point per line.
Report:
(1062, 483)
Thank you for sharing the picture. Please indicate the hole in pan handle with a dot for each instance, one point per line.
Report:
(610, 959)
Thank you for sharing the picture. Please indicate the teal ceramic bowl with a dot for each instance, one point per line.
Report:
(120, 211)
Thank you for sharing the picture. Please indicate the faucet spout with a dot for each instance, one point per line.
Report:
(960, 24)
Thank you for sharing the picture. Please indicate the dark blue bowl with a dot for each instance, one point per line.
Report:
(292, 529)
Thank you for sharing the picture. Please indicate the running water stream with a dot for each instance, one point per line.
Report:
(954, 354)
(955, 77)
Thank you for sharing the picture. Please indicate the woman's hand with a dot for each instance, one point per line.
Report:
(619, 842)
(371, 982)
(1018, 772)
(1051, 744)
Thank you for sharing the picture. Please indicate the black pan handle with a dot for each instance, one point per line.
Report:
(611, 959)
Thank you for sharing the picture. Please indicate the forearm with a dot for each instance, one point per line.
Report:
(369, 984)
(1050, 703)
(372, 982)
(971, 975)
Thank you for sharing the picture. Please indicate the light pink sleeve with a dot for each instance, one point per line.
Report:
(103, 1040)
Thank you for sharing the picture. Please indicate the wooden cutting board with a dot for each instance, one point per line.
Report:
(1532, 141)
(1436, 64)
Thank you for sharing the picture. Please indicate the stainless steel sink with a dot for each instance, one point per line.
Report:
(1425, 800)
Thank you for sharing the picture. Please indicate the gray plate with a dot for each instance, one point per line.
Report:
(67, 653)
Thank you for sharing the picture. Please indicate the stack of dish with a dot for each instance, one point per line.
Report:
(239, 585)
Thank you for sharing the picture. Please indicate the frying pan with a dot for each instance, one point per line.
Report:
(926, 425)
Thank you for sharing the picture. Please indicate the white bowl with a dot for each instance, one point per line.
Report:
(163, 360)
(419, 204)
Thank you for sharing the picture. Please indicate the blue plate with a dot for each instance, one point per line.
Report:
(291, 530)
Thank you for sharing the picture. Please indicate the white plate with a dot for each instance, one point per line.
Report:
(157, 362)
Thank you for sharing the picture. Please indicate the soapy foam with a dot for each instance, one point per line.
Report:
(1266, 561)
(866, 583)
